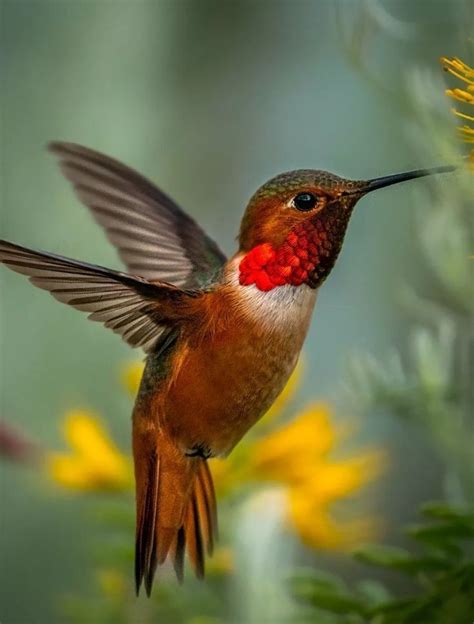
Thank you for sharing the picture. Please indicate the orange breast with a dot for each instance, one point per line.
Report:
(226, 374)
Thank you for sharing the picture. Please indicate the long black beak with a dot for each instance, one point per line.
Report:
(378, 183)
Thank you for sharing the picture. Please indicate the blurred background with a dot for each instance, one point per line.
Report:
(209, 99)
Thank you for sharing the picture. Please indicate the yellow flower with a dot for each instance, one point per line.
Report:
(95, 463)
(131, 376)
(466, 133)
(283, 455)
(335, 480)
(461, 95)
(310, 501)
(316, 526)
(463, 72)
(297, 457)
(458, 68)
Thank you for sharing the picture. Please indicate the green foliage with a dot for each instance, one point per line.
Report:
(442, 571)
(428, 386)
(430, 383)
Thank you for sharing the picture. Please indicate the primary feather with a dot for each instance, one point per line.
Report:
(131, 306)
(154, 237)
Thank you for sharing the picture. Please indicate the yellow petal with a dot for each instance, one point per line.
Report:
(461, 95)
(95, 463)
(284, 454)
(463, 72)
(74, 473)
(462, 115)
(318, 529)
(459, 69)
(336, 480)
(131, 376)
(70, 472)
(83, 431)
(466, 133)
(88, 437)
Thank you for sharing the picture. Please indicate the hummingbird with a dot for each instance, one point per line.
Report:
(221, 336)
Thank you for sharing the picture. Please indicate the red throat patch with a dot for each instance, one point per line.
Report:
(291, 263)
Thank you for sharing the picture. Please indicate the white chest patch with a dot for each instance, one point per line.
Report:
(282, 308)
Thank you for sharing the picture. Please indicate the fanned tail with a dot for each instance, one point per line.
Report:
(199, 530)
(176, 508)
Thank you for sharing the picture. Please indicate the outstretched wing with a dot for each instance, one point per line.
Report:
(154, 237)
(141, 312)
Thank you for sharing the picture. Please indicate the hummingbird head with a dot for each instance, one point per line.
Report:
(294, 225)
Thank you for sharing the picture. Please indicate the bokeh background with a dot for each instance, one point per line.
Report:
(209, 99)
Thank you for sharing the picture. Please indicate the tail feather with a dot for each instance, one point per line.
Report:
(176, 511)
(194, 538)
(177, 553)
(206, 502)
(147, 505)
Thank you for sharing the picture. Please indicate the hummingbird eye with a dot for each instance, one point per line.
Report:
(305, 201)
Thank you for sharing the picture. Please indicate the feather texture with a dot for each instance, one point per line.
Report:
(175, 504)
(139, 311)
(154, 237)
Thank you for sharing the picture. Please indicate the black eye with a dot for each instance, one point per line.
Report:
(305, 201)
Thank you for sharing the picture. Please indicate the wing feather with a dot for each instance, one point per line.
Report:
(139, 311)
(154, 237)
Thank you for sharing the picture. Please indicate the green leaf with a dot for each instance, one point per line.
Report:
(308, 577)
(326, 591)
(409, 611)
(336, 602)
(374, 592)
(381, 555)
(444, 511)
(399, 559)
(437, 533)
(393, 607)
